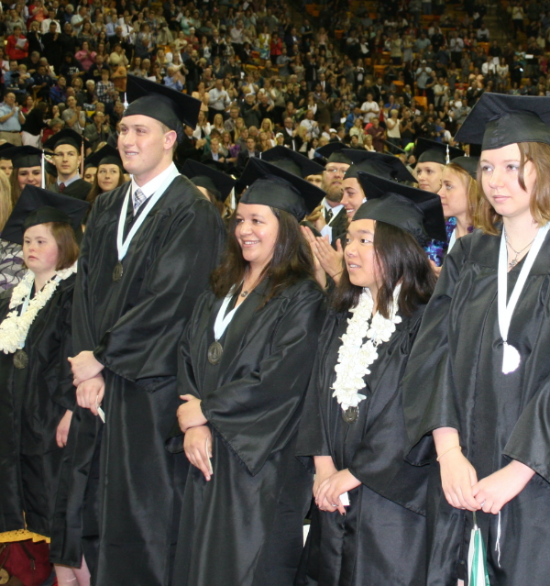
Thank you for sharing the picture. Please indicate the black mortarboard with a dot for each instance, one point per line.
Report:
(39, 206)
(23, 156)
(218, 183)
(414, 210)
(291, 161)
(469, 164)
(380, 164)
(271, 186)
(430, 151)
(106, 155)
(498, 120)
(5, 147)
(172, 108)
(66, 136)
(333, 152)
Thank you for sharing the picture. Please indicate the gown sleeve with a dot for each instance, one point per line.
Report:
(429, 397)
(255, 414)
(313, 439)
(60, 378)
(135, 346)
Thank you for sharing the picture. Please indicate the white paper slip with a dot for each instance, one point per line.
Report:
(208, 454)
(101, 414)
(344, 499)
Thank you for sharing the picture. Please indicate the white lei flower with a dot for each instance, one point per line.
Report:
(354, 357)
(15, 327)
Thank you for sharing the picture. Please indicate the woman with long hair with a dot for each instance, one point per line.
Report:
(27, 169)
(245, 361)
(37, 386)
(476, 387)
(110, 173)
(369, 523)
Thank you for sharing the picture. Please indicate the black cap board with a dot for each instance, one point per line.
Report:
(66, 136)
(106, 155)
(498, 120)
(39, 206)
(23, 156)
(218, 183)
(335, 152)
(414, 210)
(469, 164)
(271, 186)
(291, 161)
(380, 164)
(5, 147)
(172, 108)
(430, 151)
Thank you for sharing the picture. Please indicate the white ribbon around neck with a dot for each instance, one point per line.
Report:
(221, 323)
(122, 243)
(511, 358)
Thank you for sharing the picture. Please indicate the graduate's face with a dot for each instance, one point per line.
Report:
(40, 250)
(454, 194)
(256, 230)
(107, 177)
(360, 256)
(500, 182)
(66, 161)
(29, 176)
(429, 176)
(352, 196)
(6, 166)
(144, 146)
(89, 174)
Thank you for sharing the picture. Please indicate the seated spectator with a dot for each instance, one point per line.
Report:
(71, 68)
(98, 131)
(73, 116)
(85, 57)
(105, 90)
(378, 135)
(58, 92)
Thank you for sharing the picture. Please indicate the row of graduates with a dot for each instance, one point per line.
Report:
(368, 394)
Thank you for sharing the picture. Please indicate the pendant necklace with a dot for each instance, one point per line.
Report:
(515, 260)
(511, 358)
(215, 350)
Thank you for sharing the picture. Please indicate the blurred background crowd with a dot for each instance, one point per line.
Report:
(373, 74)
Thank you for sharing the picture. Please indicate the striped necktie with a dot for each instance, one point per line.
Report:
(139, 198)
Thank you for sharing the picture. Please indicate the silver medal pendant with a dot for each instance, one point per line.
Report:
(350, 414)
(20, 359)
(215, 352)
(511, 358)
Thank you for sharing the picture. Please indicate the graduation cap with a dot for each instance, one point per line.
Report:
(106, 155)
(40, 206)
(414, 210)
(218, 183)
(333, 152)
(172, 108)
(430, 151)
(66, 136)
(499, 120)
(4, 147)
(378, 164)
(23, 156)
(469, 164)
(291, 161)
(272, 186)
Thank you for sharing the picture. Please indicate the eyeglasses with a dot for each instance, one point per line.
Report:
(335, 170)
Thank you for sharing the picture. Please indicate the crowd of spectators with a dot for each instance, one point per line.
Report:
(376, 75)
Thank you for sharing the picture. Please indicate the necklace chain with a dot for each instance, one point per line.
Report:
(515, 261)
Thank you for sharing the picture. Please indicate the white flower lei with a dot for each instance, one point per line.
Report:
(15, 327)
(354, 357)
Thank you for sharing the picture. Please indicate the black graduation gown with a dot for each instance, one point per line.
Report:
(78, 189)
(454, 379)
(32, 402)
(244, 527)
(382, 538)
(133, 326)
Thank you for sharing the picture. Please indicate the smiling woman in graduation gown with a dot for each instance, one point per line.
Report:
(353, 427)
(244, 524)
(488, 415)
(38, 396)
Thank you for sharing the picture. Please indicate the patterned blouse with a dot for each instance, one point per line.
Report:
(11, 264)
